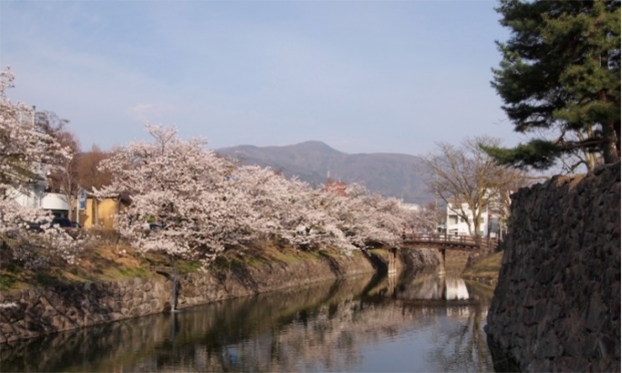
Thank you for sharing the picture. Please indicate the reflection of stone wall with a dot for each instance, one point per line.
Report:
(414, 259)
(557, 303)
(213, 326)
(48, 310)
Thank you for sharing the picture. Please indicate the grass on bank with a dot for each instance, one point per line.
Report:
(96, 263)
(110, 260)
(486, 269)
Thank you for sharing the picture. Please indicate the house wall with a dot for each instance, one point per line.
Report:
(99, 213)
(54, 201)
(30, 196)
(34, 196)
(461, 228)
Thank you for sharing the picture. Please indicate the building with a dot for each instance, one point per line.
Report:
(33, 184)
(335, 187)
(490, 222)
(34, 196)
(410, 206)
(102, 212)
(456, 225)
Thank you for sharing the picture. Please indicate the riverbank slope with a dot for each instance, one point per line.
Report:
(485, 270)
(37, 311)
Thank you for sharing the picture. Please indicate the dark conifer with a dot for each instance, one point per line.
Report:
(560, 77)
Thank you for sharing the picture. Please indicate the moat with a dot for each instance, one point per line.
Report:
(424, 322)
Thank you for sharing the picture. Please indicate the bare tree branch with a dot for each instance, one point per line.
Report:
(469, 181)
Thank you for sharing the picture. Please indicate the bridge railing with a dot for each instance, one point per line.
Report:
(484, 242)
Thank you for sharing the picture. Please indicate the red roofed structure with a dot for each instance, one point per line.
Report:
(336, 187)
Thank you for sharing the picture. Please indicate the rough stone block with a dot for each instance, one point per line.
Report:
(596, 310)
(564, 242)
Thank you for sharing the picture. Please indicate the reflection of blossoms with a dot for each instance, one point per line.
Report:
(327, 338)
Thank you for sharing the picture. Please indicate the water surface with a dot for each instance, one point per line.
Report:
(414, 323)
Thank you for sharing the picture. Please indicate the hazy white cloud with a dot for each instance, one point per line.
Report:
(140, 112)
(149, 112)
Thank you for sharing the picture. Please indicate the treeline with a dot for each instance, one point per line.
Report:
(185, 199)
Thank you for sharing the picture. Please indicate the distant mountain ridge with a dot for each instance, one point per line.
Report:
(390, 174)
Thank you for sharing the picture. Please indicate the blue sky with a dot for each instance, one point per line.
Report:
(362, 76)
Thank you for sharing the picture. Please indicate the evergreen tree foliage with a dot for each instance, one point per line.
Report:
(560, 74)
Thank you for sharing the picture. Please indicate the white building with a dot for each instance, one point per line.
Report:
(456, 225)
(410, 206)
(35, 196)
(33, 193)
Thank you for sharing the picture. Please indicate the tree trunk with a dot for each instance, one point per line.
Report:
(611, 151)
(71, 209)
(476, 236)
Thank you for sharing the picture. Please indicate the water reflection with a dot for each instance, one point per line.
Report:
(457, 310)
(417, 322)
(427, 286)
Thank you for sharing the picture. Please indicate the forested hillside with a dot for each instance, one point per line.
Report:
(395, 175)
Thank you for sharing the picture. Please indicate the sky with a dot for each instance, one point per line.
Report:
(361, 76)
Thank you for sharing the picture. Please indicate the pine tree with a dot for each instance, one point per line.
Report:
(560, 74)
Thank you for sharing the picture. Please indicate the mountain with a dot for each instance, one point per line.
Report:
(394, 175)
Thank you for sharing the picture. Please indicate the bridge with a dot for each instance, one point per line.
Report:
(443, 242)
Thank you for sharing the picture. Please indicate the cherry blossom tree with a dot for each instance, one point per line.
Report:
(312, 219)
(373, 220)
(27, 154)
(180, 189)
(201, 204)
(264, 196)
(289, 210)
(321, 222)
(64, 177)
(424, 220)
(355, 220)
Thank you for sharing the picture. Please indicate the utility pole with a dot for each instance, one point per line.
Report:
(78, 207)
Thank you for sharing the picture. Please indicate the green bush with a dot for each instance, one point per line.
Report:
(6, 282)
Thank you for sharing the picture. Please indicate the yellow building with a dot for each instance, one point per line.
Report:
(101, 213)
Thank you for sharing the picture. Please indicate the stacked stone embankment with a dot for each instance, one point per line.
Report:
(33, 312)
(557, 303)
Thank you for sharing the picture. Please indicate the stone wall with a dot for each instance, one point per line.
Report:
(557, 303)
(38, 311)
